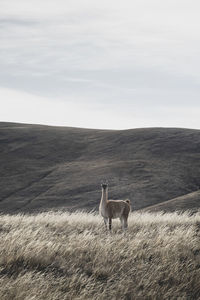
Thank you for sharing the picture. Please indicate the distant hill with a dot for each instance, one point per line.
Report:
(189, 201)
(44, 167)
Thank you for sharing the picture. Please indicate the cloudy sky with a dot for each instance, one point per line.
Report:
(100, 64)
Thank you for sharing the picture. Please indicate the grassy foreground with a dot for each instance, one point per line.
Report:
(70, 256)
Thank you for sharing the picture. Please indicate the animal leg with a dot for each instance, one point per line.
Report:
(105, 222)
(110, 223)
(124, 223)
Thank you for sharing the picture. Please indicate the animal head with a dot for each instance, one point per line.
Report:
(104, 186)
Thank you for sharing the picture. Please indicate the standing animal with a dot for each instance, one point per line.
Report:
(112, 209)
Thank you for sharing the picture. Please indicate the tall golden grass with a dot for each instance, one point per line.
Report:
(70, 256)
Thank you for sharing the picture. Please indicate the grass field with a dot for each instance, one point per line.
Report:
(70, 256)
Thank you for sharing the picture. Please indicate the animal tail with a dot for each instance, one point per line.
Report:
(128, 201)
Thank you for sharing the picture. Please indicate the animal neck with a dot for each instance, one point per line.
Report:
(104, 196)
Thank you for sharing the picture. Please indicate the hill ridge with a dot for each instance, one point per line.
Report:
(147, 165)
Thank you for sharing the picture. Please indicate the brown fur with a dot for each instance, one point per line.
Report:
(111, 209)
(115, 207)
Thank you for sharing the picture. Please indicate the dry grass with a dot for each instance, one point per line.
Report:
(70, 256)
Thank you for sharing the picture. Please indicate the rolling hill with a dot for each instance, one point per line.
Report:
(44, 167)
(189, 201)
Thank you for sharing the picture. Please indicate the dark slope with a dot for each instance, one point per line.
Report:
(189, 201)
(45, 167)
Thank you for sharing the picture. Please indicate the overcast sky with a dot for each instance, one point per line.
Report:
(100, 64)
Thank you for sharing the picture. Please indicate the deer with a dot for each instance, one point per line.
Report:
(112, 209)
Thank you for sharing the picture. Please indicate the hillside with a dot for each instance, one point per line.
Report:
(70, 256)
(44, 167)
(189, 201)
